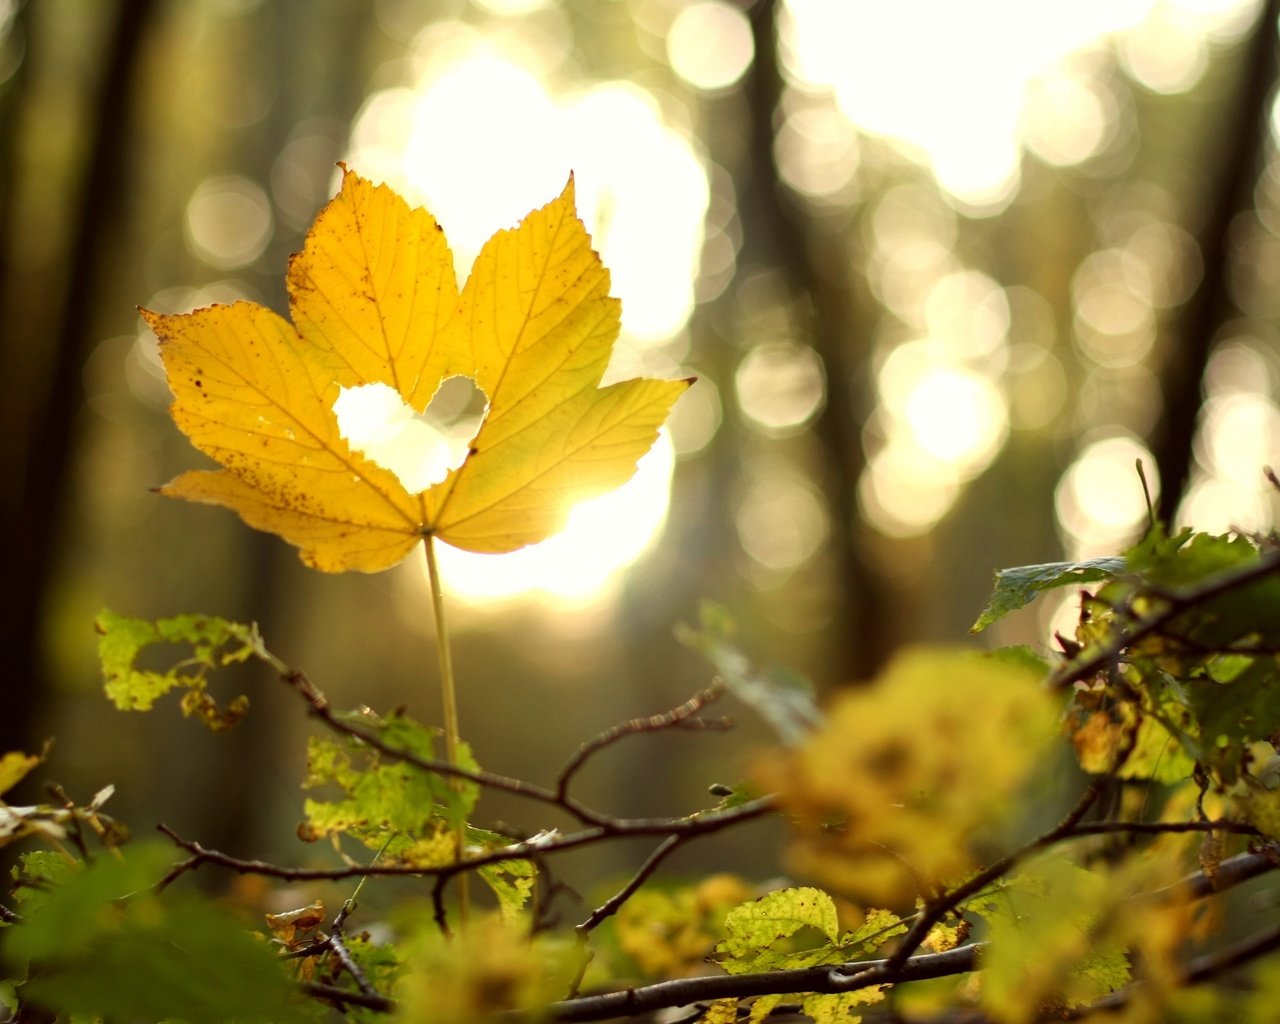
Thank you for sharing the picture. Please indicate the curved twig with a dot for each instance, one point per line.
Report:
(681, 717)
(702, 823)
(318, 705)
(610, 906)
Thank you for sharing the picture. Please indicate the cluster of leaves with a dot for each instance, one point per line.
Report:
(912, 801)
(997, 836)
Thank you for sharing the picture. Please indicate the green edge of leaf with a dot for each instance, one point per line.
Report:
(1019, 586)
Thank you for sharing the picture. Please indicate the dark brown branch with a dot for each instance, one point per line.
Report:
(1244, 144)
(339, 949)
(1101, 828)
(702, 823)
(1209, 966)
(852, 977)
(344, 997)
(664, 994)
(611, 905)
(438, 911)
(855, 976)
(1231, 872)
(681, 717)
(937, 909)
(1201, 970)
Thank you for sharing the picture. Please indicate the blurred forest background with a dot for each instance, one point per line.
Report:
(944, 271)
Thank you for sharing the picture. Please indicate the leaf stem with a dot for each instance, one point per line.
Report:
(452, 734)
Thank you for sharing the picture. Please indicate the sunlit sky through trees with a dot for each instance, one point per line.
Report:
(484, 113)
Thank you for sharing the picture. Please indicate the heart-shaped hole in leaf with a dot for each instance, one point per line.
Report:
(419, 448)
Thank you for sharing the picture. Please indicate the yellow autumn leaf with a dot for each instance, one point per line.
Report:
(911, 771)
(14, 765)
(374, 300)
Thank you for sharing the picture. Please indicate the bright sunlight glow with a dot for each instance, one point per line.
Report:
(967, 85)
(480, 137)
(420, 450)
(602, 537)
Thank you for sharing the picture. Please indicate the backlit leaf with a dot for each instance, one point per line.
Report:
(769, 934)
(374, 301)
(511, 881)
(14, 767)
(1019, 586)
(212, 642)
(777, 915)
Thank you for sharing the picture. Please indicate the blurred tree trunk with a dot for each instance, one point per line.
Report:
(815, 264)
(13, 96)
(42, 382)
(292, 41)
(1243, 140)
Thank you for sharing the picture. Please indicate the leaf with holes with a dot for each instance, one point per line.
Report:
(374, 301)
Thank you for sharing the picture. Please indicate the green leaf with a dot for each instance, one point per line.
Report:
(1190, 557)
(762, 1007)
(1158, 754)
(1048, 941)
(382, 966)
(1019, 586)
(1019, 656)
(92, 932)
(388, 803)
(213, 642)
(879, 927)
(838, 1007)
(1233, 714)
(37, 873)
(777, 915)
(782, 697)
(512, 883)
(754, 931)
(721, 1011)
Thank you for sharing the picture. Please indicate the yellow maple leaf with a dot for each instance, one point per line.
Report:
(374, 300)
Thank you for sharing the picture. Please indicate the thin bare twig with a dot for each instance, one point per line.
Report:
(681, 717)
(939, 908)
(438, 911)
(339, 949)
(344, 997)
(318, 705)
(699, 824)
(610, 906)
